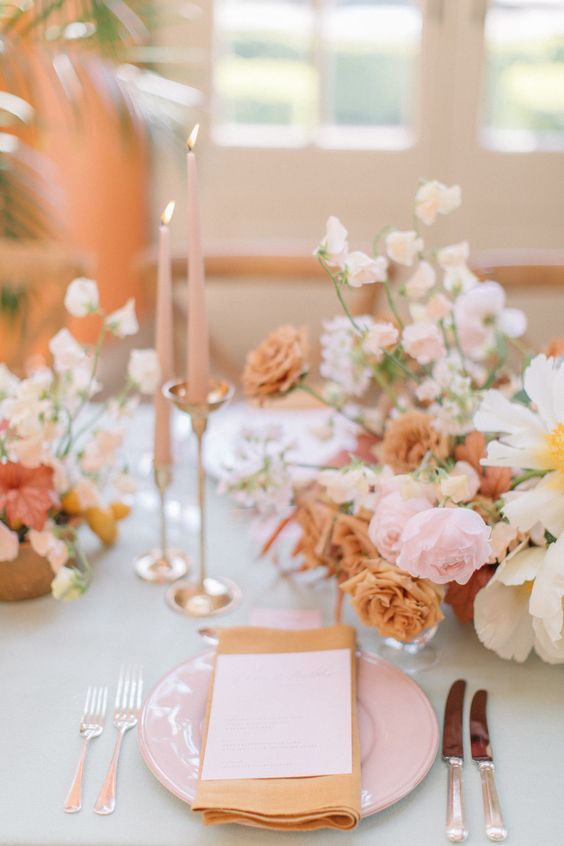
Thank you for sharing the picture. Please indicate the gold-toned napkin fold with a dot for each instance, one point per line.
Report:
(288, 804)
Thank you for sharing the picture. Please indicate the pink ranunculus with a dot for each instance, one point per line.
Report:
(390, 517)
(444, 545)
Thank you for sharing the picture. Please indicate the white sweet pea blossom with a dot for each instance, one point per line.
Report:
(462, 484)
(364, 270)
(82, 297)
(520, 608)
(438, 307)
(68, 584)
(428, 390)
(453, 260)
(532, 439)
(123, 322)
(434, 198)
(101, 451)
(8, 382)
(357, 484)
(380, 337)
(424, 342)
(334, 247)
(87, 493)
(403, 246)
(30, 403)
(144, 370)
(46, 544)
(479, 312)
(421, 282)
(343, 361)
(66, 351)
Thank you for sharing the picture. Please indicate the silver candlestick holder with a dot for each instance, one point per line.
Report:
(162, 564)
(205, 595)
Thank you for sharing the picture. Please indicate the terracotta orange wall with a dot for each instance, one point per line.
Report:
(104, 175)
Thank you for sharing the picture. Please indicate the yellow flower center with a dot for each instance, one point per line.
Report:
(556, 447)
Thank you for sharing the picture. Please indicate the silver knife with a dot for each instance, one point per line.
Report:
(482, 755)
(453, 754)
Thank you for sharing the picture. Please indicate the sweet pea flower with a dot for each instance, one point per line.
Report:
(100, 451)
(87, 493)
(123, 322)
(390, 518)
(421, 282)
(30, 451)
(423, 342)
(9, 544)
(46, 544)
(380, 337)
(479, 312)
(403, 246)
(68, 584)
(356, 484)
(463, 483)
(364, 270)
(434, 198)
(144, 370)
(66, 351)
(428, 390)
(453, 260)
(82, 297)
(438, 307)
(444, 545)
(334, 247)
(8, 382)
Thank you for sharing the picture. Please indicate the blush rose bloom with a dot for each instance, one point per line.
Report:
(390, 518)
(423, 342)
(444, 545)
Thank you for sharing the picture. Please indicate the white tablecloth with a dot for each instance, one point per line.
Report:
(51, 652)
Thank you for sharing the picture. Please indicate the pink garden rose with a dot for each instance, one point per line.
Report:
(390, 518)
(444, 545)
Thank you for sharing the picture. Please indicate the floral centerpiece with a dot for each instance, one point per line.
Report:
(60, 454)
(455, 493)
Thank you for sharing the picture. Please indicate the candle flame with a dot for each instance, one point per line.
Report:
(166, 216)
(192, 137)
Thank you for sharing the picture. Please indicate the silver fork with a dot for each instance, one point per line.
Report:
(126, 712)
(91, 725)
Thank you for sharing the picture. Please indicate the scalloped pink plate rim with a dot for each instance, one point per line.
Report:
(398, 728)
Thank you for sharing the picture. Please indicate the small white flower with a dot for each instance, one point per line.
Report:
(427, 391)
(343, 360)
(82, 297)
(438, 307)
(378, 338)
(334, 246)
(454, 255)
(100, 451)
(8, 382)
(144, 370)
(9, 544)
(421, 282)
(66, 351)
(356, 484)
(123, 322)
(434, 198)
(463, 483)
(68, 584)
(364, 270)
(403, 247)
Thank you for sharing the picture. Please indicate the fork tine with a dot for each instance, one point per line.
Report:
(98, 711)
(126, 687)
(139, 690)
(104, 704)
(86, 710)
(135, 673)
(120, 684)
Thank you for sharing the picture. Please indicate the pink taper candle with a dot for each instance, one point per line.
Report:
(164, 341)
(198, 365)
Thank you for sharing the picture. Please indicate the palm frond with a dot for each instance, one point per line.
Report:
(29, 206)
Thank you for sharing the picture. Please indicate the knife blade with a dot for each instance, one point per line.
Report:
(453, 754)
(483, 756)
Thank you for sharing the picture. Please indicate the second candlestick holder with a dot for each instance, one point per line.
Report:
(206, 595)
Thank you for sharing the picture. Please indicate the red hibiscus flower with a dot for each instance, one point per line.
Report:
(26, 494)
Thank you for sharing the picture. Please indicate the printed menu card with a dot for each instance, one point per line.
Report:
(280, 715)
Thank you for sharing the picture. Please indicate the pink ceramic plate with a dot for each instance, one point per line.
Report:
(399, 735)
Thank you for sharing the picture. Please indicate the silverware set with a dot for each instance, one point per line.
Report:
(453, 755)
(127, 705)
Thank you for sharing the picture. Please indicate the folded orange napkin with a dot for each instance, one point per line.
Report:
(288, 804)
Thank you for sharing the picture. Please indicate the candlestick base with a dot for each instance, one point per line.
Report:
(153, 566)
(196, 599)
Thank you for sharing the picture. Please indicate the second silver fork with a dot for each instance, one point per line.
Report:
(129, 696)
(91, 725)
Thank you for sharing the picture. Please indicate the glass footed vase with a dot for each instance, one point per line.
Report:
(411, 656)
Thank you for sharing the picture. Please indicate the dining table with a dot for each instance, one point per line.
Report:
(52, 651)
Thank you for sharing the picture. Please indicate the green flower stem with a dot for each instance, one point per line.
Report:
(301, 386)
(340, 297)
(528, 474)
(402, 366)
(458, 345)
(391, 303)
(387, 388)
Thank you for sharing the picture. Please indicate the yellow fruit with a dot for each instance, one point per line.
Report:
(120, 510)
(71, 503)
(102, 522)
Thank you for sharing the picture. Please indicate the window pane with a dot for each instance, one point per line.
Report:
(524, 75)
(371, 49)
(264, 76)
